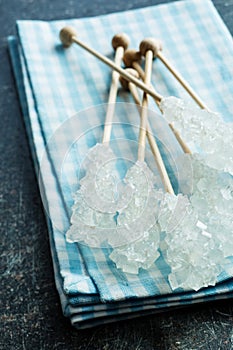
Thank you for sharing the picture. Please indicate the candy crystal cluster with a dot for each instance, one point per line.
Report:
(107, 210)
(192, 232)
(89, 225)
(203, 131)
(189, 249)
(196, 230)
(93, 213)
(139, 222)
(139, 254)
(212, 197)
(101, 187)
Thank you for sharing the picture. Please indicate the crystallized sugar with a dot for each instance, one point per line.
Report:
(198, 229)
(101, 187)
(203, 131)
(212, 198)
(189, 248)
(194, 245)
(89, 225)
(193, 232)
(140, 254)
(105, 213)
(93, 214)
(138, 221)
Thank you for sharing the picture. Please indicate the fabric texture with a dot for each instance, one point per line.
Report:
(63, 94)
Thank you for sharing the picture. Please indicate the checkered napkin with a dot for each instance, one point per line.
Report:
(62, 93)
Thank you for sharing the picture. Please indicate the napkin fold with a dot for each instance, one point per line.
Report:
(62, 92)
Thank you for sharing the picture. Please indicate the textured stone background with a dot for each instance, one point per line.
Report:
(30, 316)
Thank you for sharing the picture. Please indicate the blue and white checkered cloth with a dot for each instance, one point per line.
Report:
(54, 84)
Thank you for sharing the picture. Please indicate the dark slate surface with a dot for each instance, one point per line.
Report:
(31, 316)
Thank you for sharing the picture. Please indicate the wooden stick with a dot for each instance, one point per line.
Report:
(129, 57)
(153, 145)
(143, 127)
(119, 42)
(143, 119)
(68, 36)
(158, 53)
(183, 145)
(181, 80)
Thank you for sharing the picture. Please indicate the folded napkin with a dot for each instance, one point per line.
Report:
(62, 92)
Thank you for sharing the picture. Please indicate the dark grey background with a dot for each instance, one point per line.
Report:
(31, 316)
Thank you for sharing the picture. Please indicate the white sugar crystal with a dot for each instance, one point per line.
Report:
(88, 225)
(101, 187)
(93, 215)
(213, 200)
(203, 131)
(189, 249)
(141, 180)
(193, 231)
(98, 218)
(138, 220)
(140, 254)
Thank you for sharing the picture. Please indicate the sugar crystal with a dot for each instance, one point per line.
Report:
(138, 220)
(203, 131)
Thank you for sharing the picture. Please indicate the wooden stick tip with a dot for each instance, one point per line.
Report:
(152, 44)
(66, 36)
(124, 82)
(131, 56)
(120, 39)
